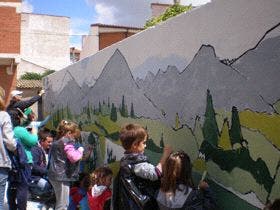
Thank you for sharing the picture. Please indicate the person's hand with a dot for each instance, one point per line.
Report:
(203, 185)
(42, 92)
(166, 151)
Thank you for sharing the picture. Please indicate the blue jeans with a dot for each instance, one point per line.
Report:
(3, 181)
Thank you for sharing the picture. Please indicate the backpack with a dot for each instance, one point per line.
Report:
(21, 171)
(126, 195)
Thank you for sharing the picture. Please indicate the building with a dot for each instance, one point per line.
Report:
(103, 35)
(74, 54)
(44, 43)
(30, 43)
(10, 33)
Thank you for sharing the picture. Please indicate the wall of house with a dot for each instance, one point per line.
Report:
(10, 30)
(7, 81)
(10, 19)
(206, 82)
(107, 39)
(103, 36)
(44, 41)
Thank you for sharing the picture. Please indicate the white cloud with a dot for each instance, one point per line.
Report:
(27, 6)
(129, 12)
(105, 14)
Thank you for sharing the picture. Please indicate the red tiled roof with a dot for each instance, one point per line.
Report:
(21, 83)
(115, 26)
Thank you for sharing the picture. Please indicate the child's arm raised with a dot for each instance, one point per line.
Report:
(166, 152)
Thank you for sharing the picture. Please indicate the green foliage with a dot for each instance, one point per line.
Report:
(235, 130)
(47, 72)
(31, 76)
(230, 159)
(132, 115)
(123, 109)
(161, 143)
(35, 76)
(170, 12)
(113, 115)
(153, 147)
(210, 127)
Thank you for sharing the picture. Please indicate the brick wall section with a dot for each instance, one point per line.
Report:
(8, 82)
(107, 39)
(9, 30)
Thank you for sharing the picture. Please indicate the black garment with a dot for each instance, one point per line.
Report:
(19, 178)
(39, 168)
(13, 107)
(131, 192)
(196, 200)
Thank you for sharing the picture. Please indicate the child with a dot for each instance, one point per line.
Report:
(31, 121)
(137, 181)
(64, 162)
(101, 192)
(177, 190)
(78, 193)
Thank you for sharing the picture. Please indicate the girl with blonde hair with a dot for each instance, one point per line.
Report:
(64, 162)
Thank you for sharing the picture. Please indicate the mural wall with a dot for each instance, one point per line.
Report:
(206, 82)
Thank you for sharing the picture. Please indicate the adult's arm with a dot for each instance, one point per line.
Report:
(7, 132)
(26, 103)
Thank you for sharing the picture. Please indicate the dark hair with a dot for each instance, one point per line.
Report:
(132, 133)
(275, 205)
(101, 173)
(43, 133)
(176, 170)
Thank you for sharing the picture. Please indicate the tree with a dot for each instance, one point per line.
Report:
(170, 12)
(177, 122)
(113, 115)
(235, 129)
(210, 128)
(161, 143)
(35, 76)
(132, 115)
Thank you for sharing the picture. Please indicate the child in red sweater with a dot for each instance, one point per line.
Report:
(101, 193)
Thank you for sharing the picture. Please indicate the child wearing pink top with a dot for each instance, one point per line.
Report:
(64, 162)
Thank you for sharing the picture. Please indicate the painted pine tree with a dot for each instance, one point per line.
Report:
(132, 115)
(210, 128)
(113, 114)
(235, 133)
(177, 121)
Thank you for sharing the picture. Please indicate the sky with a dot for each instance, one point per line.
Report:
(83, 13)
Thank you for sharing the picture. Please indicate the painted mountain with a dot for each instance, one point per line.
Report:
(71, 95)
(185, 93)
(117, 81)
(261, 66)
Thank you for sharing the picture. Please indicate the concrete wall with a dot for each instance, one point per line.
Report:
(206, 81)
(44, 41)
